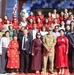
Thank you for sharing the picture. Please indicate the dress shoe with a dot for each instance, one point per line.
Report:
(26, 71)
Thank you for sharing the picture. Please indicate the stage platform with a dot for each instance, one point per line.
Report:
(36, 74)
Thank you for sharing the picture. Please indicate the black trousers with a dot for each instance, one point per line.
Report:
(73, 60)
(24, 56)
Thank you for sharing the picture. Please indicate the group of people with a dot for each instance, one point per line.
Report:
(37, 43)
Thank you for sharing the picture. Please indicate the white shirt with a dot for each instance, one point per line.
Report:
(34, 34)
(62, 27)
(56, 34)
(24, 23)
(4, 42)
(43, 33)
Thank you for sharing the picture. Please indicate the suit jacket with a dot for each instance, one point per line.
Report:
(31, 34)
(20, 36)
(71, 39)
(27, 44)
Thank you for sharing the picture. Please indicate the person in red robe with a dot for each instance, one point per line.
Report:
(62, 16)
(40, 15)
(46, 23)
(39, 24)
(31, 16)
(58, 18)
(15, 24)
(30, 25)
(5, 19)
(50, 18)
(1, 23)
(13, 17)
(62, 52)
(13, 55)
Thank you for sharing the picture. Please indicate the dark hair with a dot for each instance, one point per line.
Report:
(43, 27)
(62, 30)
(38, 33)
(6, 32)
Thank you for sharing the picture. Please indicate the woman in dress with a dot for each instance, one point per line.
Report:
(13, 55)
(37, 53)
(62, 52)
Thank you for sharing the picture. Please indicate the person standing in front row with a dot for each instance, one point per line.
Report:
(4, 42)
(49, 42)
(37, 53)
(24, 54)
(71, 40)
(62, 52)
(13, 55)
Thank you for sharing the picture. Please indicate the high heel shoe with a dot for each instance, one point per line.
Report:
(59, 72)
(62, 72)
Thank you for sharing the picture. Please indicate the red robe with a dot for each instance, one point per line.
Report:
(61, 49)
(41, 17)
(50, 19)
(31, 17)
(47, 25)
(1, 25)
(5, 21)
(61, 18)
(13, 55)
(58, 20)
(15, 25)
(12, 20)
(30, 26)
(39, 25)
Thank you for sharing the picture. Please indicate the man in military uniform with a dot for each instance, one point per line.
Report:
(49, 42)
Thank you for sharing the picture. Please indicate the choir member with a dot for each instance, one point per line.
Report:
(62, 16)
(31, 16)
(39, 24)
(13, 17)
(15, 24)
(40, 15)
(54, 13)
(5, 19)
(62, 25)
(30, 25)
(50, 17)
(1, 23)
(47, 23)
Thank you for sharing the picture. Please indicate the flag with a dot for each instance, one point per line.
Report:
(15, 7)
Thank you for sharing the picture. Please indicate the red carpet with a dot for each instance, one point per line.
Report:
(43, 74)
(55, 73)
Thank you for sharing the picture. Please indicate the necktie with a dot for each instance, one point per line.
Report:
(24, 42)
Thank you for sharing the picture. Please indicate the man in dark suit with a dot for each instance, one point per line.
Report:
(71, 40)
(33, 32)
(26, 49)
